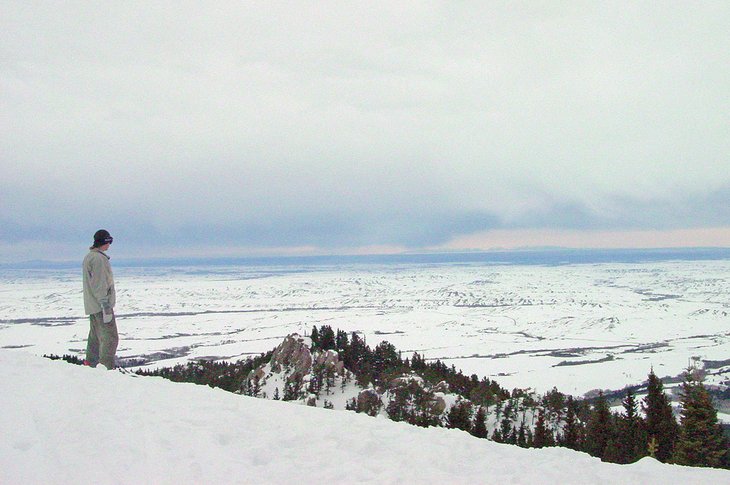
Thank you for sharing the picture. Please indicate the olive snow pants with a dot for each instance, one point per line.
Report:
(101, 347)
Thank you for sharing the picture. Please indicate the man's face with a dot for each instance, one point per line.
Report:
(105, 246)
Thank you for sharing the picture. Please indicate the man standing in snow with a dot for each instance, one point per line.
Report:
(99, 299)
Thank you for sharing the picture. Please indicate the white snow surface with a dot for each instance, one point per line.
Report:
(576, 327)
(62, 423)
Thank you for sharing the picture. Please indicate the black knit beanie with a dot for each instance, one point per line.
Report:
(102, 237)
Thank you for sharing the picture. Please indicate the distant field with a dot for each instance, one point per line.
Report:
(578, 327)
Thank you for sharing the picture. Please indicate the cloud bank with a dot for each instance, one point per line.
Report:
(335, 126)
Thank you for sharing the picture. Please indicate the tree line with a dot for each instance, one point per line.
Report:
(558, 420)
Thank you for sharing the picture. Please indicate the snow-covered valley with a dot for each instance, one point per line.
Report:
(577, 327)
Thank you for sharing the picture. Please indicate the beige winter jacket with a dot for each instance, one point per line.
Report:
(98, 282)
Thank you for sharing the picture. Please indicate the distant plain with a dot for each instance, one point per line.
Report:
(577, 327)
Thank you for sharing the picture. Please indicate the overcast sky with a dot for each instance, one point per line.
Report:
(315, 127)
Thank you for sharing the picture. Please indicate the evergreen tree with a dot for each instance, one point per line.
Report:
(72, 359)
(612, 453)
(315, 338)
(329, 380)
(512, 438)
(554, 403)
(341, 340)
(631, 438)
(701, 441)
(418, 362)
(400, 406)
(505, 429)
(290, 393)
(423, 411)
(530, 442)
(255, 387)
(659, 424)
(479, 428)
(326, 338)
(293, 389)
(459, 416)
(385, 358)
(599, 429)
(355, 355)
(543, 436)
(522, 436)
(572, 430)
(315, 381)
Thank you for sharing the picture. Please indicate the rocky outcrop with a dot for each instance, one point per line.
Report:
(295, 373)
(405, 380)
(369, 402)
(293, 355)
(318, 378)
(438, 405)
(330, 361)
(257, 374)
(442, 386)
(411, 389)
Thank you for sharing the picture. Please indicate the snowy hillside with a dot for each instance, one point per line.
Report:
(69, 424)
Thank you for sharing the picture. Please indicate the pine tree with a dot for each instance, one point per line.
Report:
(315, 381)
(659, 424)
(522, 436)
(512, 438)
(293, 389)
(326, 338)
(315, 338)
(399, 407)
(385, 357)
(341, 340)
(701, 441)
(543, 436)
(479, 428)
(599, 429)
(631, 438)
(459, 416)
(418, 362)
(355, 354)
(554, 403)
(572, 430)
(612, 453)
(251, 387)
(481, 395)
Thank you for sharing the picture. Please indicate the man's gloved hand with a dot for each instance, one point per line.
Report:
(107, 312)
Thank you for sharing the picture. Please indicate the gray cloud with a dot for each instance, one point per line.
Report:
(621, 212)
(338, 125)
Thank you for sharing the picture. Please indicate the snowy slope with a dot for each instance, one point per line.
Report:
(68, 424)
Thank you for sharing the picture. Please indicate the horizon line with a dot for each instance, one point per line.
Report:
(127, 260)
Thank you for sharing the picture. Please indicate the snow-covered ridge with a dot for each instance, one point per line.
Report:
(319, 378)
(70, 424)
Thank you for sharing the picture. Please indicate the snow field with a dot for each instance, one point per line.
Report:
(518, 325)
(71, 424)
